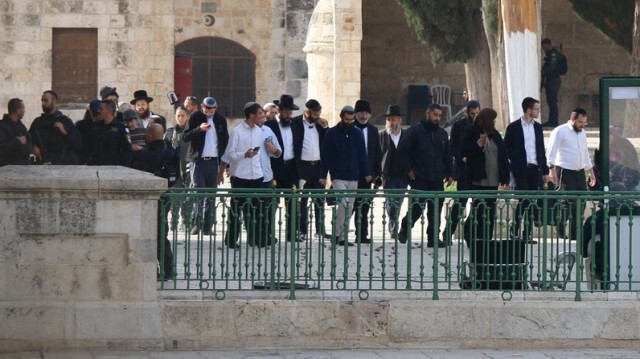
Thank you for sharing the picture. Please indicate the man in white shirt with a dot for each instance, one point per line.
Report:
(568, 157)
(307, 138)
(243, 153)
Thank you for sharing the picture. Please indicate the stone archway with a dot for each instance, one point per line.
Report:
(222, 69)
(333, 51)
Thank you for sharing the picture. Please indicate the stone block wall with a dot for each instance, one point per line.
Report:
(135, 48)
(77, 258)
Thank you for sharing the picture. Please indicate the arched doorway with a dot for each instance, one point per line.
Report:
(219, 68)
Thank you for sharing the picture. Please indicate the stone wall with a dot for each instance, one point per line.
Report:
(77, 258)
(135, 48)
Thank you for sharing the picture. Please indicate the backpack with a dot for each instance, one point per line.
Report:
(562, 66)
(168, 165)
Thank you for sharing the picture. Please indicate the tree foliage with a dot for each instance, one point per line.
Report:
(446, 27)
(613, 18)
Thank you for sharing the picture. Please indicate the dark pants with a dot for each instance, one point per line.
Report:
(165, 255)
(571, 181)
(393, 204)
(205, 175)
(269, 206)
(310, 172)
(552, 87)
(250, 209)
(527, 180)
(480, 223)
(285, 180)
(360, 212)
(417, 207)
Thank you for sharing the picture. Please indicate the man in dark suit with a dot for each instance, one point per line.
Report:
(284, 168)
(393, 176)
(307, 138)
(209, 137)
(374, 154)
(525, 148)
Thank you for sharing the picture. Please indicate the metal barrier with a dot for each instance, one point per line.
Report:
(500, 240)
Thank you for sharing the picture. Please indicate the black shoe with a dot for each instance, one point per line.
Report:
(402, 237)
(206, 232)
(441, 244)
(232, 244)
(365, 240)
(343, 243)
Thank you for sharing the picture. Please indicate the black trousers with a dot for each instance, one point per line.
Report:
(458, 207)
(527, 180)
(417, 207)
(310, 172)
(360, 211)
(165, 255)
(285, 180)
(248, 207)
(552, 87)
(571, 181)
(480, 223)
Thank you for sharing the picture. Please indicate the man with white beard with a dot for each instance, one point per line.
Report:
(393, 176)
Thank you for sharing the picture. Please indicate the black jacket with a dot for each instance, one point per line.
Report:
(55, 147)
(109, 145)
(374, 152)
(476, 170)
(391, 163)
(514, 140)
(148, 160)
(550, 66)
(197, 137)
(297, 131)
(12, 152)
(277, 164)
(457, 131)
(426, 151)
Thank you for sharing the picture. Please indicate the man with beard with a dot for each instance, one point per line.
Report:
(307, 138)
(393, 176)
(374, 154)
(284, 167)
(15, 141)
(428, 162)
(55, 139)
(141, 104)
(191, 104)
(109, 145)
(568, 157)
(345, 158)
(208, 135)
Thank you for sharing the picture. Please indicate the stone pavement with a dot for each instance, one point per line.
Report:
(584, 353)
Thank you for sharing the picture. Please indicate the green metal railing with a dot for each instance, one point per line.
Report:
(500, 240)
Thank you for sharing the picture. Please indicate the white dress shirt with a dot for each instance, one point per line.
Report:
(310, 142)
(243, 138)
(210, 148)
(395, 137)
(365, 132)
(529, 141)
(265, 157)
(568, 148)
(287, 141)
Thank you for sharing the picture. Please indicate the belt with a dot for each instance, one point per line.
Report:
(208, 158)
(568, 170)
(313, 163)
(286, 162)
(532, 165)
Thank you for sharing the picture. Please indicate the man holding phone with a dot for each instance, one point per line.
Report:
(208, 136)
(246, 172)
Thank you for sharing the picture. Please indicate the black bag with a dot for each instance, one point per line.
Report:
(562, 67)
(496, 265)
(168, 165)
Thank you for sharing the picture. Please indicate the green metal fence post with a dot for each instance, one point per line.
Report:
(294, 242)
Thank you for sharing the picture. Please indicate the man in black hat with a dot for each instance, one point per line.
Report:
(141, 103)
(307, 138)
(393, 176)
(374, 154)
(284, 167)
(209, 137)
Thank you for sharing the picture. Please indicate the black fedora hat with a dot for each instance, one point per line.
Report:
(140, 95)
(393, 110)
(286, 101)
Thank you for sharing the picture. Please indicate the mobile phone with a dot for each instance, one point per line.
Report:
(255, 149)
